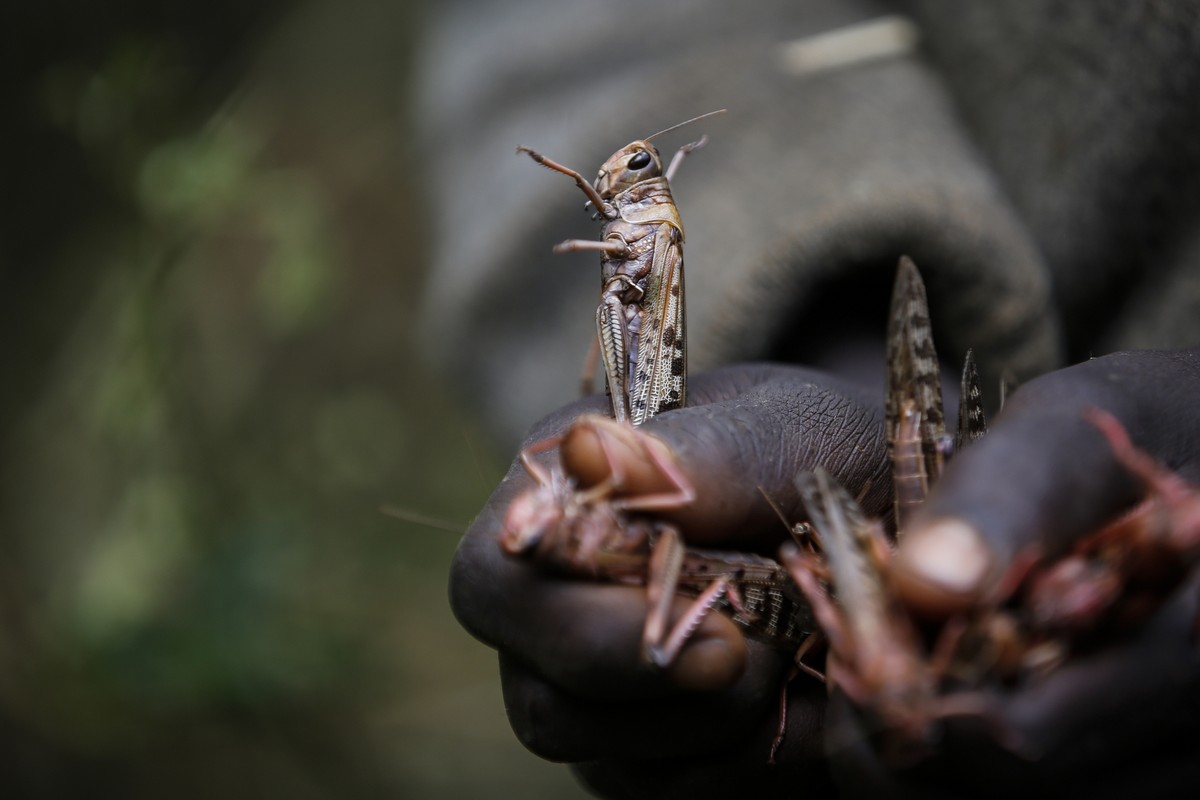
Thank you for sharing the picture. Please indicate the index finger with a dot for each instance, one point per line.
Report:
(760, 425)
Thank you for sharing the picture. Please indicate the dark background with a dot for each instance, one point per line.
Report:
(211, 246)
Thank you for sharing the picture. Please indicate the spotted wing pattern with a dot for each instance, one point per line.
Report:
(660, 377)
(912, 366)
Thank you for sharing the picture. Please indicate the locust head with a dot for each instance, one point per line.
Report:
(530, 516)
(635, 162)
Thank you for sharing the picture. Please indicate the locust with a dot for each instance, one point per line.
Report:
(1108, 583)
(918, 445)
(640, 322)
(905, 679)
(600, 532)
(1118, 575)
(877, 656)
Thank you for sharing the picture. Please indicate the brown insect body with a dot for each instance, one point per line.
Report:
(594, 533)
(640, 320)
(641, 313)
(1121, 573)
(772, 609)
(577, 532)
(876, 655)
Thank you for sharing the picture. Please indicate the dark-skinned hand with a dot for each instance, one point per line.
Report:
(574, 685)
(1122, 718)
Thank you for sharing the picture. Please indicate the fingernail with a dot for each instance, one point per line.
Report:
(943, 567)
(708, 664)
(592, 441)
(582, 451)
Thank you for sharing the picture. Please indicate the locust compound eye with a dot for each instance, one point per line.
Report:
(640, 161)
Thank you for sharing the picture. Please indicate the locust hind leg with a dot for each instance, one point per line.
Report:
(612, 338)
(806, 570)
(1157, 479)
(910, 482)
(795, 669)
(661, 641)
(587, 385)
(614, 350)
(651, 481)
(539, 473)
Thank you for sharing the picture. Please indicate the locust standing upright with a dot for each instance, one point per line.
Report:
(640, 317)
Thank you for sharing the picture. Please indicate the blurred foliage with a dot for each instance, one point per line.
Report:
(209, 259)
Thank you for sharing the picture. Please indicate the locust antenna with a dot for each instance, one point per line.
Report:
(775, 507)
(685, 122)
(801, 531)
(421, 519)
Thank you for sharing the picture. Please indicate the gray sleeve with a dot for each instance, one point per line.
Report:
(1087, 114)
(822, 173)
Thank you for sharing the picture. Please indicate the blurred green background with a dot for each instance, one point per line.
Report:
(211, 247)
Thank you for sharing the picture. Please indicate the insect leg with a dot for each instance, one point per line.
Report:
(680, 154)
(797, 667)
(613, 248)
(586, 383)
(681, 494)
(592, 195)
(909, 481)
(1156, 478)
(801, 566)
(658, 646)
(610, 333)
(539, 472)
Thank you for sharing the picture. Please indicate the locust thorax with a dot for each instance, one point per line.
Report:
(635, 162)
(529, 517)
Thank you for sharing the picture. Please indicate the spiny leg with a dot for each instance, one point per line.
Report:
(612, 332)
(660, 646)
(612, 338)
(910, 484)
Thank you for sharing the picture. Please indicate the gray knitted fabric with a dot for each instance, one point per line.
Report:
(1037, 159)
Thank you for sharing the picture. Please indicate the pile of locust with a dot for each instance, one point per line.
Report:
(831, 591)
